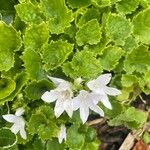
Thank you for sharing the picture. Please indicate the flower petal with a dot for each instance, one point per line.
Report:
(50, 96)
(56, 81)
(23, 133)
(59, 108)
(104, 99)
(68, 106)
(62, 134)
(15, 128)
(97, 109)
(76, 103)
(84, 113)
(104, 78)
(20, 111)
(10, 118)
(112, 91)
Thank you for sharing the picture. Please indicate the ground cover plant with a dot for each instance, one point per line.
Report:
(63, 62)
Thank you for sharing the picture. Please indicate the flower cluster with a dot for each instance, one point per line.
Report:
(85, 100)
(66, 101)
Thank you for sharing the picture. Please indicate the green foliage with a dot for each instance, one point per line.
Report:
(57, 14)
(146, 137)
(89, 33)
(131, 118)
(82, 64)
(35, 36)
(110, 58)
(137, 60)
(33, 64)
(75, 140)
(55, 53)
(118, 28)
(7, 138)
(141, 24)
(70, 39)
(10, 41)
(127, 6)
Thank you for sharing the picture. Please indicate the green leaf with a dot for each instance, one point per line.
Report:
(84, 64)
(33, 64)
(130, 43)
(141, 24)
(118, 28)
(137, 60)
(55, 53)
(128, 80)
(131, 118)
(79, 3)
(101, 3)
(75, 140)
(29, 13)
(20, 81)
(48, 131)
(35, 89)
(91, 145)
(89, 33)
(127, 6)
(54, 145)
(7, 86)
(146, 137)
(7, 138)
(36, 35)
(35, 122)
(57, 14)
(111, 56)
(10, 41)
(91, 13)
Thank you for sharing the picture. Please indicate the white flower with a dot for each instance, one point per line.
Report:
(18, 122)
(99, 87)
(85, 101)
(63, 94)
(62, 134)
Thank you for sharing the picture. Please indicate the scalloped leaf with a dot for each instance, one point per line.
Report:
(141, 24)
(36, 35)
(35, 89)
(7, 138)
(101, 3)
(10, 41)
(79, 3)
(29, 13)
(89, 33)
(75, 140)
(33, 64)
(127, 6)
(84, 64)
(89, 14)
(57, 14)
(131, 118)
(55, 53)
(118, 28)
(111, 56)
(20, 81)
(137, 60)
(7, 86)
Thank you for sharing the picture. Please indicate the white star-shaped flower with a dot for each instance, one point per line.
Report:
(62, 134)
(18, 122)
(62, 94)
(99, 87)
(85, 101)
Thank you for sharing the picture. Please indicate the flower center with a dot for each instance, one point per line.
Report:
(65, 94)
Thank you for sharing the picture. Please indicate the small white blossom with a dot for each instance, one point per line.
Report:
(85, 101)
(99, 87)
(18, 122)
(62, 134)
(62, 94)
